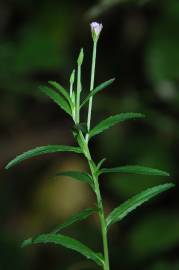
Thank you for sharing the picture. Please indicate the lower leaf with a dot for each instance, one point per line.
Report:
(76, 218)
(125, 208)
(68, 242)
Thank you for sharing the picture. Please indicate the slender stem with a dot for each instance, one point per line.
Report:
(101, 217)
(85, 149)
(91, 87)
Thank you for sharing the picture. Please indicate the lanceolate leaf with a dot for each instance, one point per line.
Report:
(41, 151)
(125, 208)
(61, 89)
(112, 120)
(134, 169)
(57, 98)
(65, 241)
(100, 163)
(96, 90)
(76, 218)
(81, 176)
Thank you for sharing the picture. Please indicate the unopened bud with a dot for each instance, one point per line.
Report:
(72, 77)
(80, 57)
(96, 30)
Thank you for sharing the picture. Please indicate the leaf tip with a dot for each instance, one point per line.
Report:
(41, 88)
(166, 174)
(7, 166)
(26, 242)
(170, 185)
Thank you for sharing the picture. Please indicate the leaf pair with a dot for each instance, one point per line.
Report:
(125, 208)
(116, 215)
(63, 99)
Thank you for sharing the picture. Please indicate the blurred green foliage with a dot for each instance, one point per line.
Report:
(139, 45)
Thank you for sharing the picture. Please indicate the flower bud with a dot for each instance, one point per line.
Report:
(96, 30)
(72, 77)
(80, 57)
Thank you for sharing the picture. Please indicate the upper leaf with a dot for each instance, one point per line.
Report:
(63, 92)
(61, 89)
(112, 120)
(67, 242)
(136, 169)
(41, 151)
(125, 208)
(100, 163)
(81, 176)
(57, 98)
(96, 90)
(75, 218)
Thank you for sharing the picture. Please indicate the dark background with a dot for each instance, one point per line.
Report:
(139, 45)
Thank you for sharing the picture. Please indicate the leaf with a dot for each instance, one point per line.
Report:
(56, 98)
(125, 208)
(41, 151)
(61, 89)
(81, 176)
(112, 120)
(76, 218)
(134, 169)
(96, 90)
(67, 242)
(100, 163)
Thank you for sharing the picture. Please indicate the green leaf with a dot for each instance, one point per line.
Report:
(61, 89)
(134, 169)
(56, 98)
(81, 176)
(100, 163)
(96, 90)
(76, 218)
(67, 242)
(125, 208)
(112, 120)
(41, 151)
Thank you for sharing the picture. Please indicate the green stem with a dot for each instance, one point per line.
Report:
(85, 149)
(91, 88)
(101, 216)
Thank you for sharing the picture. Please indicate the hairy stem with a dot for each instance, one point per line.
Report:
(91, 88)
